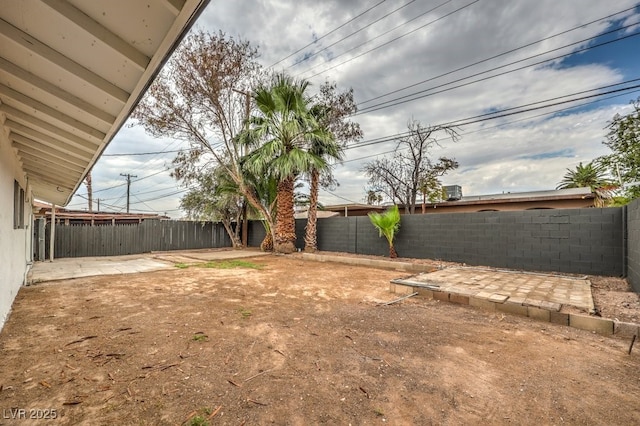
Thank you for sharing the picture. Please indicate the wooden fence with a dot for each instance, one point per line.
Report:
(150, 235)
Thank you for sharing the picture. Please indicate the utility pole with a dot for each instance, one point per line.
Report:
(87, 181)
(98, 205)
(128, 176)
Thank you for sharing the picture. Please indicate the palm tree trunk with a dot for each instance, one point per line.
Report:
(267, 242)
(392, 252)
(285, 233)
(311, 234)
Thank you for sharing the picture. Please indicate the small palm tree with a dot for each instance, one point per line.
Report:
(387, 224)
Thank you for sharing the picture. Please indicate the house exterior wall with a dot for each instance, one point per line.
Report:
(15, 244)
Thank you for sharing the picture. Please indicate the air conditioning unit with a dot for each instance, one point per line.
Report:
(454, 192)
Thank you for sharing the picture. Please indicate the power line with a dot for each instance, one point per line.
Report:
(552, 99)
(545, 106)
(413, 96)
(338, 196)
(390, 41)
(327, 34)
(126, 154)
(499, 55)
(484, 129)
(379, 35)
(137, 180)
(307, 57)
(467, 120)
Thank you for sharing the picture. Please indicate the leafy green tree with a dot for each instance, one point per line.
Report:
(215, 198)
(279, 136)
(624, 141)
(591, 175)
(201, 97)
(388, 224)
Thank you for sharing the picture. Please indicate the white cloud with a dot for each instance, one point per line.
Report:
(530, 154)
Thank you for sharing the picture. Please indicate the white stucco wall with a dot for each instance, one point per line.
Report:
(15, 246)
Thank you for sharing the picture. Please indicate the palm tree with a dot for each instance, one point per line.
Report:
(328, 150)
(281, 133)
(590, 175)
(387, 224)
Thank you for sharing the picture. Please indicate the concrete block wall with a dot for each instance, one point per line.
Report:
(586, 241)
(598, 241)
(633, 244)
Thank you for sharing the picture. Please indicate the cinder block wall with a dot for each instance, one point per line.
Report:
(633, 244)
(584, 241)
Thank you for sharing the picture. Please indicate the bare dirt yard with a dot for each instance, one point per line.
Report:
(296, 342)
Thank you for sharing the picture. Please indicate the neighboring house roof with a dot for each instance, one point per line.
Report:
(533, 195)
(552, 199)
(44, 210)
(322, 214)
(354, 209)
(516, 200)
(72, 71)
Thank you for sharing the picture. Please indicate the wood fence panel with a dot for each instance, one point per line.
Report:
(120, 239)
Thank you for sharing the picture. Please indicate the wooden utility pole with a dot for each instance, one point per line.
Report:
(87, 181)
(128, 176)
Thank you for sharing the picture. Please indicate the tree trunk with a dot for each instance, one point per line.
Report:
(311, 234)
(245, 223)
(424, 202)
(258, 205)
(285, 232)
(267, 242)
(235, 241)
(392, 252)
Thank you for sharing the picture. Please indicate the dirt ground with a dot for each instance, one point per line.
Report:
(296, 342)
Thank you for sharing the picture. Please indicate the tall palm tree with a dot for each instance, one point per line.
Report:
(590, 175)
(281, 133)
(387, 224)
(330, 151)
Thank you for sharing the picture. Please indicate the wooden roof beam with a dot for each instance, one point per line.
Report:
(40, 157)
(55, 91)
(9, 93)
(48, 167)
(40, 49)
(98, 31)
(31, 121)
(175, 6)
(31, 137)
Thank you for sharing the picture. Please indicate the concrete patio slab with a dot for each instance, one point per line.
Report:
(77, 267)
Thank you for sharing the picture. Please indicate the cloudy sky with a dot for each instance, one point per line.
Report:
(436, 62)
